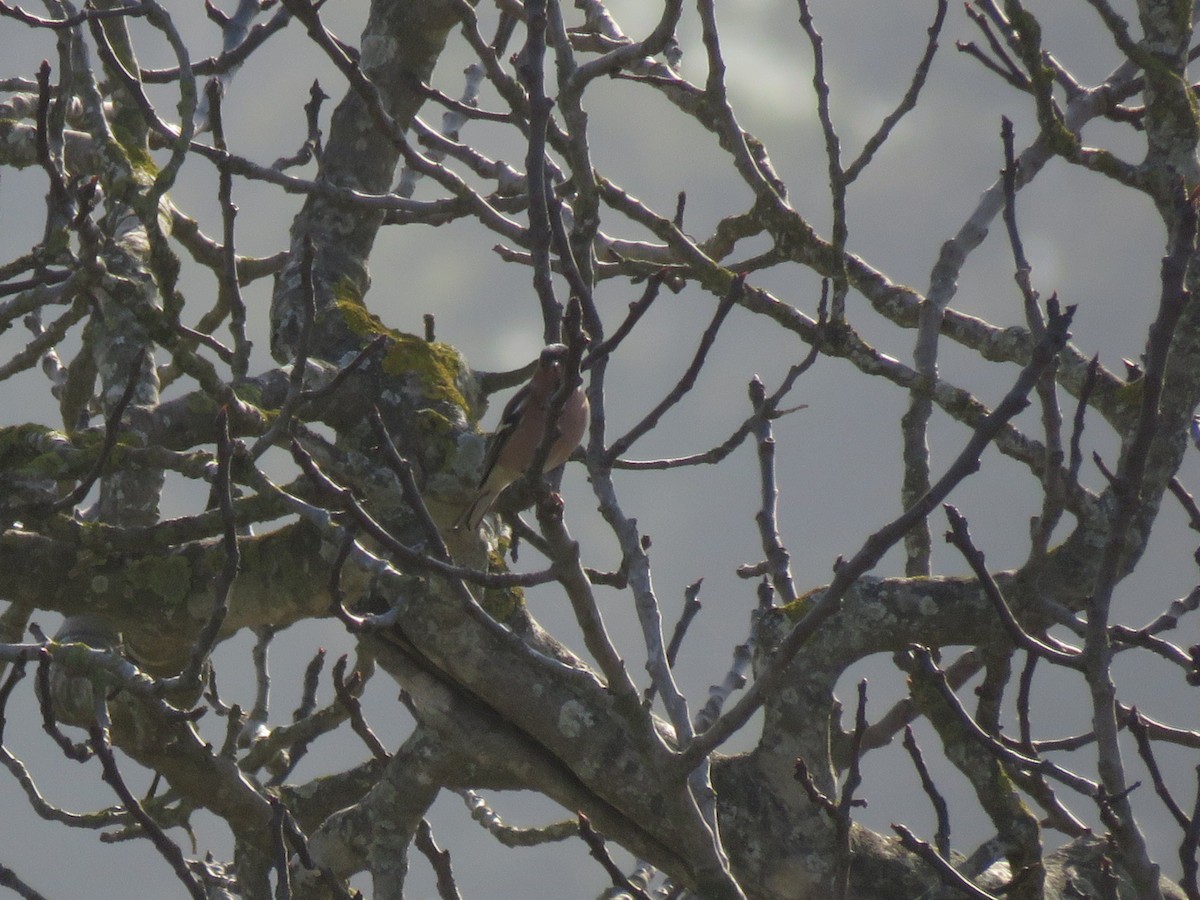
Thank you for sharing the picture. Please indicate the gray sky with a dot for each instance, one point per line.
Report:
(838, 460)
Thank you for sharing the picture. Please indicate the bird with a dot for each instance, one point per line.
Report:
(522, 428)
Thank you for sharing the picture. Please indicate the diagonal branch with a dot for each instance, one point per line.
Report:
(773, 675)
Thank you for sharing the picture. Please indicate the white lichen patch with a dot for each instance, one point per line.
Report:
(913, 600)
(376, 50)
(574, 719)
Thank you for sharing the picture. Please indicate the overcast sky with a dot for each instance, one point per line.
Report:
(838, 460)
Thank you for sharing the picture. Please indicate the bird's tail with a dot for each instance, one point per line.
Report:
(472, 515)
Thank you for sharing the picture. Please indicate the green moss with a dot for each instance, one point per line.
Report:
(58, 243)
(425, 373)
(129, 130)
(501, 603)
(357, 317)
(433, 423)
(249, 392)
(7, 129)
(346, 290)
(166, 577)
(19, 442)
(118, 581)
(92, 537)
(200, 404)
(799, 608)
(1130, 394)
(32, 451)
(437, 366)
(76, 657)
(263, 559)
(91, 444)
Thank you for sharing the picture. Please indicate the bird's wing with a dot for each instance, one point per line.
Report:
(513, 410)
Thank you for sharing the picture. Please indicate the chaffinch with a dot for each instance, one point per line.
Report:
(522, 426)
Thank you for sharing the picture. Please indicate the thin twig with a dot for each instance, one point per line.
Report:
(802, 774)
(345, 691)
(408, 486)
(907, 103)
(1187, 501)
(637, 309)
(1126, 492)
(941, 865)
(599, 852)
(439, 859)
(847, 801)
(743, 657)
(940, 809)
(1007, 68)
(344, 499)
(1189, 844)
(295, 393)
(685, 383)
(770, 408)
(223, 585)
(1137, 727)
(167, 848)
(112, 431)
(263, 634)
(905, 712)
(510, 836)
(77, 752)
(312, 679)
(311, 148)
(691, 606)
(230, 291)
(9, 879)
(279, 851)
(773, 673)
(315, 394)
(960, 537)
(57, 200)
(775, 554)
(89, 14)
(229, 59)
(924, 663)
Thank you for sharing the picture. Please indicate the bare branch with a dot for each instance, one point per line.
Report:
(439, 859)
(168, 849)
(599, 853)
(942, 836)
(874, 548)
(946, 872)
(345, 693)
(686, 381)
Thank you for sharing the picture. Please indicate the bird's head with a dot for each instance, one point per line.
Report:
(553, 355)
(551, 365)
